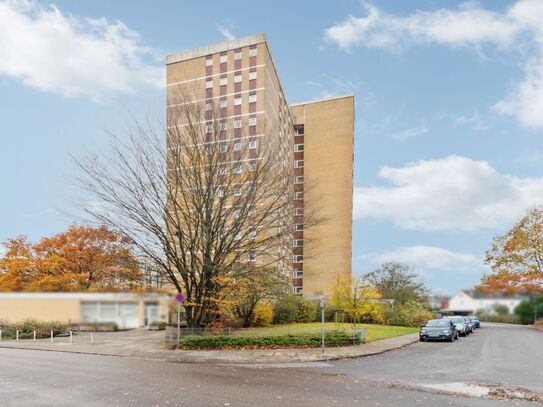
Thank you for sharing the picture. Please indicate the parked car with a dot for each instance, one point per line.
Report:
(471, 324)
(438, 329)
(475, 321)
(461, 324)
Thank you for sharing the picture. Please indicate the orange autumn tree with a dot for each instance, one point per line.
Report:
(83, 258)
(516, 258)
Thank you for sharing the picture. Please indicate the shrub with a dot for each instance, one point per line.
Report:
(229, 342)
(26, 329)
(504, 319)
(526, 310)
(263, 315)
(305, 310)
(285, 312)
(411, 313)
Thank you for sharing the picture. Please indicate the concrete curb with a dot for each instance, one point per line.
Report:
(259, 356)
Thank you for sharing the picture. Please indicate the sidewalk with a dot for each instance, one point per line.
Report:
(148, 346)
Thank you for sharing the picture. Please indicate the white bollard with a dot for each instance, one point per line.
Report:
(51, 336)
(34, 335)
(71, 338)
(92, 339)
(0, 334)
(17, 335)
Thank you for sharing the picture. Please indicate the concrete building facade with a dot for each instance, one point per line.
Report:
(315, 138)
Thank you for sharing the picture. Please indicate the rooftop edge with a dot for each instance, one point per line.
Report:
(214, 48)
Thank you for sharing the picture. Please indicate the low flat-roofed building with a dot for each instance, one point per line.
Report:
(125, 310)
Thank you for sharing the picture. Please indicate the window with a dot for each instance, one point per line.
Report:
(209, 84)
(299, 179)
(223, 59)
(252, 75)
(237, 146)
(252, 98)
(224, 126)
(237, 169)
(237, 124)
(222, 170)
(298, 211)
(237, 55)
(298, 274)
(298, 227)
(223, 81)
(237, 78)
(209, 106)
(237, 212)
(252, 255)
(298, 259)
(252, 235)
(298, 164)
(253, 52)
(237, 101)
(209, 128)
(221, 193)
(252, 166)
(298, 196)
(298, 148)
(252, 121)
(238, 236)
(237, 191)
(252, 144)
(300, 131)
(224, 148)
(209, 61)
(298, 242)
(298, 290)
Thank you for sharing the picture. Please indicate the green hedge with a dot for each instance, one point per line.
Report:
(26, 329)
(230, 342)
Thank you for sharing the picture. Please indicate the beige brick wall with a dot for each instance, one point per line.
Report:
(328, 177)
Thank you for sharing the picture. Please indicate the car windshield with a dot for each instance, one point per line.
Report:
(458, 320)
(438, 322)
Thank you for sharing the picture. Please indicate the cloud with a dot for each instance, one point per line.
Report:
(453, 193)
(410, 133)
(332, 86)
(427, 257)
(474, 121)
(73, 56)
(226, 32)
(516, 29)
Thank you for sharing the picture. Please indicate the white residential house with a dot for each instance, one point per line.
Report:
(472, 301)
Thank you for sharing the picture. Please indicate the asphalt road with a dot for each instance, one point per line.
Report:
(493, 356)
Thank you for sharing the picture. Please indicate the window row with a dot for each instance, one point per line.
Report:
(224, 81)
(237, 56)
(224, 125)
(223, 103)
(238, 169)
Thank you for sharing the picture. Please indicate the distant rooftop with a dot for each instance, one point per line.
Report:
(213, 49)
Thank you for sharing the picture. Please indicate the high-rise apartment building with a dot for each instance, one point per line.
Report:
(316, 138)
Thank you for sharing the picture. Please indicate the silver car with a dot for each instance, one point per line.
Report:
(462, 326)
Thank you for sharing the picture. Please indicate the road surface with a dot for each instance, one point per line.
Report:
(493, 356)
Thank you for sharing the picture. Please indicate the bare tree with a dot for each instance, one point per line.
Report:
(206, 204)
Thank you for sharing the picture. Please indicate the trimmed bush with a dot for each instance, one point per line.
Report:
(290, 341)
(26, 329)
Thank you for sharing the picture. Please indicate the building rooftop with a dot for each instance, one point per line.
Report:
(214, 48)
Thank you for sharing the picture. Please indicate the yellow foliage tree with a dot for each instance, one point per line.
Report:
(357, 301)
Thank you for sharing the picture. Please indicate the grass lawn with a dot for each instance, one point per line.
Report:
(373, 332)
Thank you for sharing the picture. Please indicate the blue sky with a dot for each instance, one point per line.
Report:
(449, 107)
